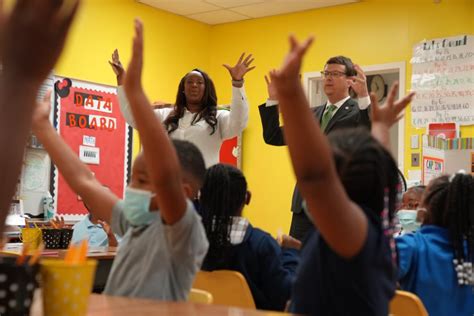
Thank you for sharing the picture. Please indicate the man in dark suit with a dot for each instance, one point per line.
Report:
(340, 111)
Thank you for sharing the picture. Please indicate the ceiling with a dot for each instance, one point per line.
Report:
(224, 11)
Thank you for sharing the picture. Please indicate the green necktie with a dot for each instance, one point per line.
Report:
(327, 116)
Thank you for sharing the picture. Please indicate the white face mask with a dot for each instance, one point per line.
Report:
(137, 206)
(407, 219)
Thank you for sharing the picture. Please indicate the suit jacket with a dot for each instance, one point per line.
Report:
(347, 116)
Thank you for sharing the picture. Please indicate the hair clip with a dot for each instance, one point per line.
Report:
(460, 171)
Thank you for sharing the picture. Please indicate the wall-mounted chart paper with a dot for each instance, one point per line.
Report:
(87, 116)
(443, 78)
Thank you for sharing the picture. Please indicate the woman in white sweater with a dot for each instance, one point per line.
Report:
(195, 116)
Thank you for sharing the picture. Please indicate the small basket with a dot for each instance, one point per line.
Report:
(57, 238)
(66, 236)
(17, 286)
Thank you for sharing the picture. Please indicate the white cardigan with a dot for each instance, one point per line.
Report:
(229, 124)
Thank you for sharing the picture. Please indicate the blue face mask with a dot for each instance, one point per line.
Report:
(407, 219)
(137, 206)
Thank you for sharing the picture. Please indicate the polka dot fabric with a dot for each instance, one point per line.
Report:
(17, 285)
(66, 288)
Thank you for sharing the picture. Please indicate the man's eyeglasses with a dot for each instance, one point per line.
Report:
(333, 74)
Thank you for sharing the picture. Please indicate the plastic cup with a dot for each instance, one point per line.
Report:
(31, 237)
(66, 287)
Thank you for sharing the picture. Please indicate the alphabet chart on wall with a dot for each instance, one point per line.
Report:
(88, 118)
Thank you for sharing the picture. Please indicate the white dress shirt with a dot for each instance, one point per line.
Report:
(229, 124)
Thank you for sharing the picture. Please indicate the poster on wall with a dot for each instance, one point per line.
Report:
(443, 79)
(88, 118)
(432, 168)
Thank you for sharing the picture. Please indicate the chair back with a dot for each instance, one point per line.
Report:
(226, 287)
(200, 296)
(407, 304)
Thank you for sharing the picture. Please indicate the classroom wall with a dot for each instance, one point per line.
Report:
(173, 46)
(370, 32)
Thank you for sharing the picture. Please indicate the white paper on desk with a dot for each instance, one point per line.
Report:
(97, 250)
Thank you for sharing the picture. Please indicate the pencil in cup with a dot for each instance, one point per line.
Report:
(31, 237)
(66, 286)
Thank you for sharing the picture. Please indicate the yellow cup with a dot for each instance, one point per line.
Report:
(66, 287)
(31, 237)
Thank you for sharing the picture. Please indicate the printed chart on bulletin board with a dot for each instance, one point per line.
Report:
(88, 118)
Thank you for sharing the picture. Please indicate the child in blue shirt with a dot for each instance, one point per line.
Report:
(436, 262)
(350, 184)
(97, 232)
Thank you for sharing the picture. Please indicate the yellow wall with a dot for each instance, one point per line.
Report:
(173, 45)
(370, 32)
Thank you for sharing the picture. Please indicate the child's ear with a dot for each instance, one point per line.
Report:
(248, 197)
(188, 190)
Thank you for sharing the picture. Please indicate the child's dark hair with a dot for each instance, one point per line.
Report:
(222, 196)
(209, 105)
(366, 169)
(190, 159)
(450, 204)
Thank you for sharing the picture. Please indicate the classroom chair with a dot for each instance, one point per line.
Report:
(227, 288)
(407, 304)
(200, 296)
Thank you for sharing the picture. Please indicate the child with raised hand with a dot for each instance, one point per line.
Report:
(31, 26)
(164, 241)
(234, 244)
(436, 262)
(350, 184)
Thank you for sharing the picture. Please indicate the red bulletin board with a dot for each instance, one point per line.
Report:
(88, 118)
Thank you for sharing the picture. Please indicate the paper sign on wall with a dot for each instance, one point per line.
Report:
(432, 168)
(443, 78)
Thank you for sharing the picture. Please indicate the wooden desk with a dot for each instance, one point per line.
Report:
(102, 305)
(104, 255)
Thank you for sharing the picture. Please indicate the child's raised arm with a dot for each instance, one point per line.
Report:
(160, 156)
(341, 222)
(31, 39)
(99, 198)
(384, 116)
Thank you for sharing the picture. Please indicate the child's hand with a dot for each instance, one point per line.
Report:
(390, 112)
(57, 222)
(286, 79)
(241, 67)
(133, 77)
(290, 242)
(32, 37)
(105, 227)
(117, 67)
(41, 112)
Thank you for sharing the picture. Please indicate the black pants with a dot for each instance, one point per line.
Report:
(300, 226)
(300, 223)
